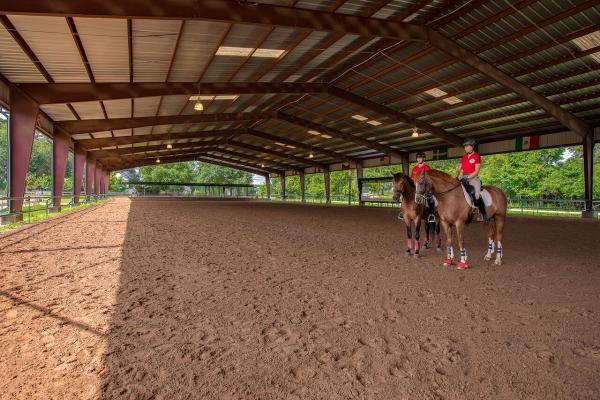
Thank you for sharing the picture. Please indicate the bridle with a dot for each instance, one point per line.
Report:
(425, 197)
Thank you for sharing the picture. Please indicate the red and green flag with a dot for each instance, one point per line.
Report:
(527, 142)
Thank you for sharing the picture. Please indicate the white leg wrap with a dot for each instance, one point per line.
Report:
(499, 253)
(450, 252)
(463, 255)
(490, 250)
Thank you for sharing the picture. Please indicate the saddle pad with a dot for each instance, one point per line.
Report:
(485, 195)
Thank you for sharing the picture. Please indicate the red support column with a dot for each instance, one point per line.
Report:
(60, 153)
(78, 166)
(97, 176)
(90, 172)
(23, 116)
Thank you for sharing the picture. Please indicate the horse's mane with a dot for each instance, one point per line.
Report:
(399, 175)
(436, 173)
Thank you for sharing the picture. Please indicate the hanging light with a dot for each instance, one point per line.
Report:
(157, 160)
(169, 146)
(262, 165)
(311, 155)
(198, 106)
(415, 132)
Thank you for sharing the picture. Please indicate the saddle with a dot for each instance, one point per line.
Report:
(469, 192)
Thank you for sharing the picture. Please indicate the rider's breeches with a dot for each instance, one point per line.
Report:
(476, 183)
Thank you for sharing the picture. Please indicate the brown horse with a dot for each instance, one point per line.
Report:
(413, 213)
(454, 210)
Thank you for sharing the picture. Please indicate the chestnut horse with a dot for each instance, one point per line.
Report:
(413, 212)
(454, 210)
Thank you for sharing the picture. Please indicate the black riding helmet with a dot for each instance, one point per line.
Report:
(421, 154)
(469, 142)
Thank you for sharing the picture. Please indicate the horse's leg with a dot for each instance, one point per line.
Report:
(427, 232)
(408, 237)
(439, 236)
(450, 251)
(417, 236)
(460, 234)
(491, 231)
(499, 232)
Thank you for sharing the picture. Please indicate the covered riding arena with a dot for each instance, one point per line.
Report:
(198, 298)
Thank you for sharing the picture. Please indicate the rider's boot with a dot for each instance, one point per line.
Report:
(481, 207)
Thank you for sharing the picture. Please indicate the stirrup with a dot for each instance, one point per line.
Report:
(431, 218)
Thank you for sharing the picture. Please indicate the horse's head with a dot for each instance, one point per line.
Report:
(423, 187)
(402, 184)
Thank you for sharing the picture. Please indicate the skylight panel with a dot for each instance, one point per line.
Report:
(435, 92)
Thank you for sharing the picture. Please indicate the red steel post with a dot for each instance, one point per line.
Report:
(23, 117)
(60, 153)
(90, 172)
(78, 166)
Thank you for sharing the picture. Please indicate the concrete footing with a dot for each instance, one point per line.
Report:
(589, 214)
(10, 218)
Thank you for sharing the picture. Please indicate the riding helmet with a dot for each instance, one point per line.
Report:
(469, 142)
(421, 154)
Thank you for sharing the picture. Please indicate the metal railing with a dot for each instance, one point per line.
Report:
(195, 190)
(38, 207)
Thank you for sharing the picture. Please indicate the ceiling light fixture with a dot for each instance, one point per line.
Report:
(316, 133)
(169, 146)
(373, 122)
(415, 132)
(198, 106)
(262, 165)
(326, 136)
(157, 160)
(311, 155)
(359, 117)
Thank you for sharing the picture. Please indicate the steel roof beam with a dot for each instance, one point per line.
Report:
(369, 144)
(452, 48)
(101, 125)
(397, 115)
(300, 145)
(300, 160)
(55, 93)
(165, 137)
(218, 10)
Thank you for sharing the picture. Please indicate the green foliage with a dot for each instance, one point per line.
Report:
(116, 183)
(39, 176)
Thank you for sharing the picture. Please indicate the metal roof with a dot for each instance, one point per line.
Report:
(552, 47)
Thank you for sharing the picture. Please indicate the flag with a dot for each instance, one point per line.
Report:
(440, 153)
(527, 142)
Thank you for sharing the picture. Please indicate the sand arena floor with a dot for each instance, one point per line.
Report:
(242, 300)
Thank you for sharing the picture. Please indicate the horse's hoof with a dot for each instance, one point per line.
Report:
(417, 255)
(462, 265)
(448, 262)
(407, 253)
(498, 262)
(487, 258)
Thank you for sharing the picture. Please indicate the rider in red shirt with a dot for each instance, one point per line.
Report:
(421, 165)
(470, 165)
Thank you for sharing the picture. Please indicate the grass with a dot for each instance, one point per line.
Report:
(40, 215)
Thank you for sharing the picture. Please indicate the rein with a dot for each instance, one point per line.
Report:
(429, 194)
